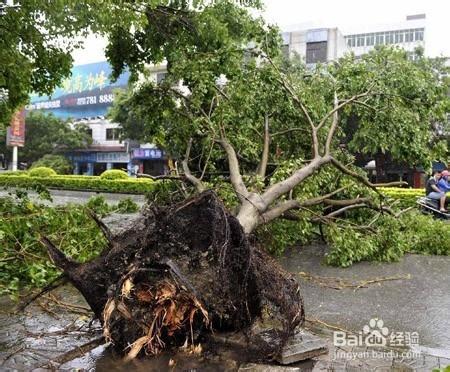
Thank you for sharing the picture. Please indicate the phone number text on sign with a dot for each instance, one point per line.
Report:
(93, 100)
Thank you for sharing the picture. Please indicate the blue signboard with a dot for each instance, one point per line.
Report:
(147, 154)
(88, 92)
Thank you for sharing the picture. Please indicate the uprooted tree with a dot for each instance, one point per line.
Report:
(231, 105)
(270, 135)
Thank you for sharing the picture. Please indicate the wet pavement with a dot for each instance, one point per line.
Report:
(419, 304)
(412, 295)
(45, 333)
(61, 197)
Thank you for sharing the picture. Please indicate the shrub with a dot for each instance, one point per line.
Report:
(42, 172)
(406, 197)
(114, 174)
(14, 173)
(58, 163)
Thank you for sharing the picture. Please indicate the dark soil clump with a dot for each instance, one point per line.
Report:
(179, 273)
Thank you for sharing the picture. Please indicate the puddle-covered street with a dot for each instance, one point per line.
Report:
(409, 296)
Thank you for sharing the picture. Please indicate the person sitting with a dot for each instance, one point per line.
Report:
(443, 183)
(433, 192)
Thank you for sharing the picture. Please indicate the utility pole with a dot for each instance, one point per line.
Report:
(14, 159)
(4, 6)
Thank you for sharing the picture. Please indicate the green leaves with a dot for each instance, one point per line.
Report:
(23, 260)
(389, 240)
(406, 100)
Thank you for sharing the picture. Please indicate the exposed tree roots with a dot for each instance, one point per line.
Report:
(180, 272)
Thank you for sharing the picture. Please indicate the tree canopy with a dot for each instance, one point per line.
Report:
(38, 37)
(276, 122)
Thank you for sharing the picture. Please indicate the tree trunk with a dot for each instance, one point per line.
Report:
(248, 217)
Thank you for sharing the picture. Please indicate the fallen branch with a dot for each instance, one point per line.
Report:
(331, 326)
(378, 280)
(162, 177)
(71, 307)
(341, 283)
(76, 352)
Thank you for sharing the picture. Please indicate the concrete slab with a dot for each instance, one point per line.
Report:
(303, 345)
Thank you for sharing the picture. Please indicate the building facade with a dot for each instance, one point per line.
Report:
(315, 45)
(408, 35)
(84, 99)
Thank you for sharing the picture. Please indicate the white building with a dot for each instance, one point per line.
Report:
(315, 45)
(327, 44)
(408, 34)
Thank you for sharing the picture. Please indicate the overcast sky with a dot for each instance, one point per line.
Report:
(344, 14)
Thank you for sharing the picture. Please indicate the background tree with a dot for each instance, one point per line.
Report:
(59, 163)
(37, 38)
(46, 134)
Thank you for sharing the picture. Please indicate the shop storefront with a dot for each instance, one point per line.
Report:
(95, 163)
(150, 161)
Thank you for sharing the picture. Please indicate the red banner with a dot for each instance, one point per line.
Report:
(16, 131)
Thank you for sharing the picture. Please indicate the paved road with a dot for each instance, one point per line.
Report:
(418, 303)
(61, 197)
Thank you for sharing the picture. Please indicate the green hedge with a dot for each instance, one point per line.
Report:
(91, 183)
(407, 197)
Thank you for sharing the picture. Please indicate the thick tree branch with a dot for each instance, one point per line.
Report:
(283, 187)
(281, 208)
(289, 89)
(337, 107)
(187, 172)
(345, 202)
(334, 125)
(362, 179)
(235, 174)
(286, 131)
(344, 209)
(262, 167)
